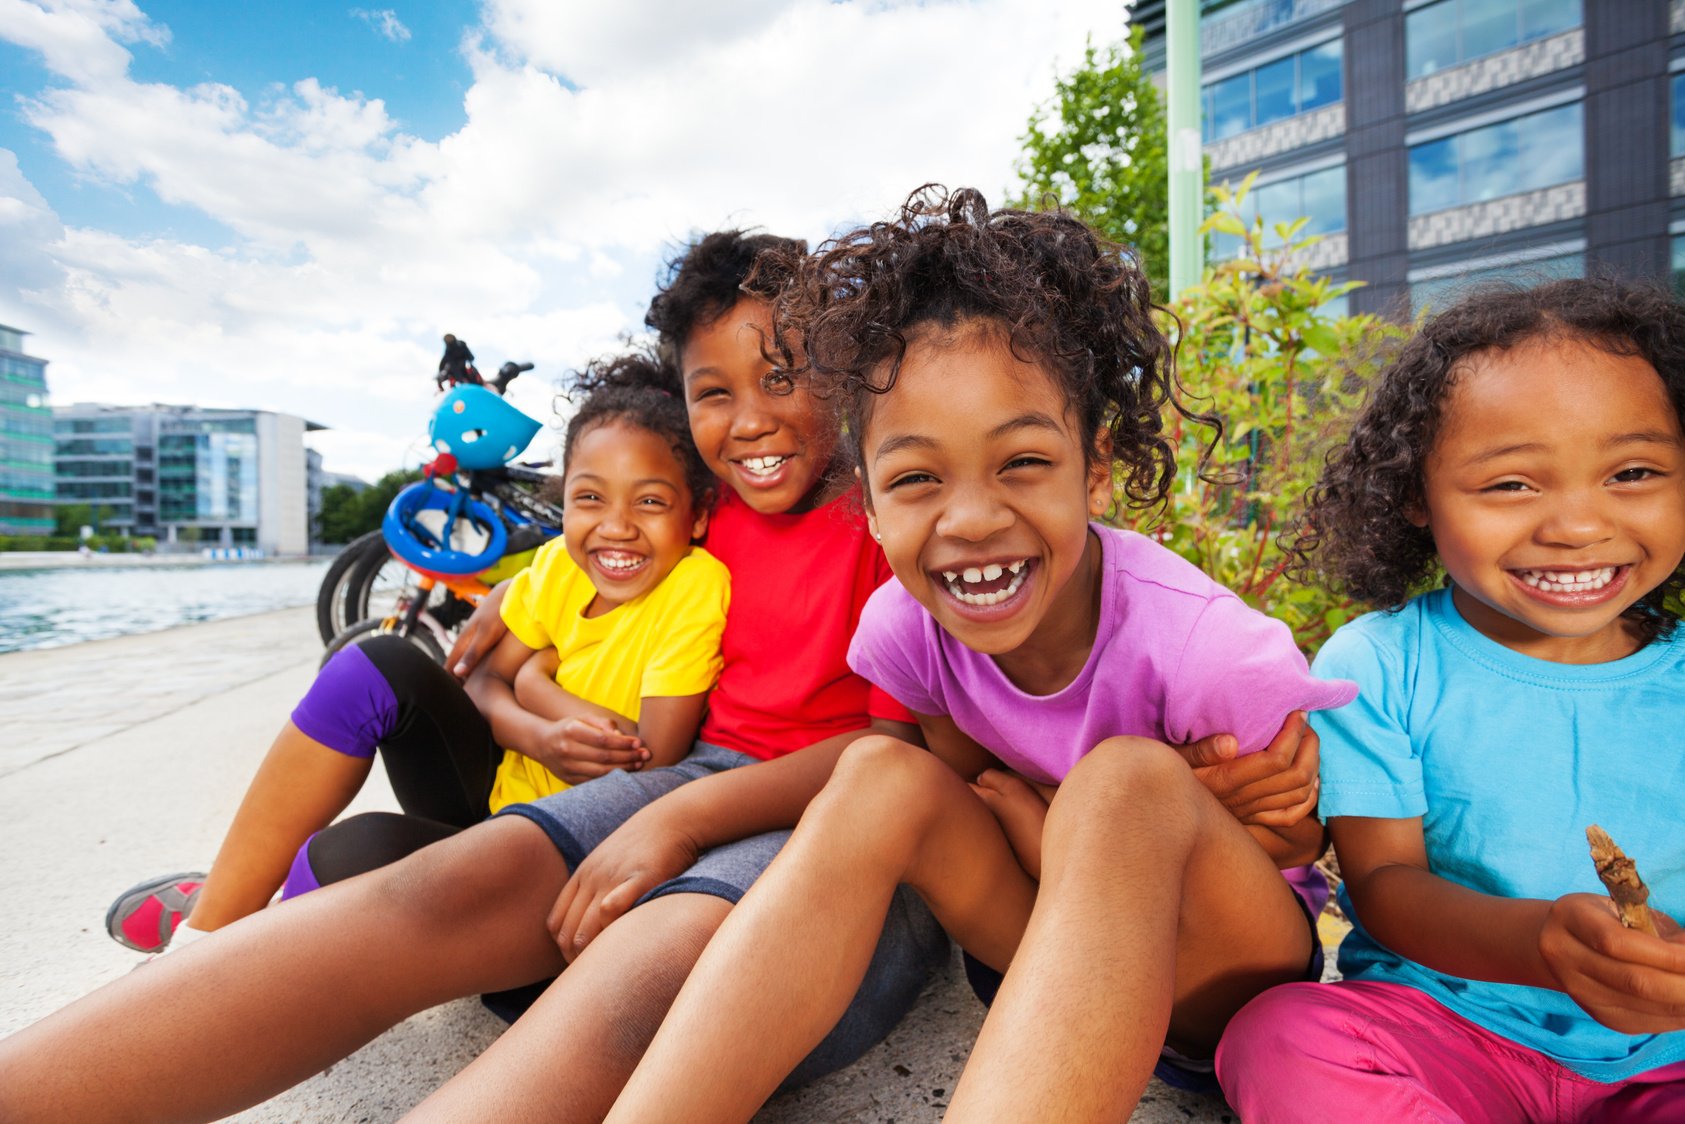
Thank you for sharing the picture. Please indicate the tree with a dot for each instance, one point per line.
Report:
(1098, 148)
(348, 512)
(1260, 347)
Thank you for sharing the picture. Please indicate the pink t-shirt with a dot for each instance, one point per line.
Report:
(1177, 657)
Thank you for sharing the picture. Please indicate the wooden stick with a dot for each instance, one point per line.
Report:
(1620, 877)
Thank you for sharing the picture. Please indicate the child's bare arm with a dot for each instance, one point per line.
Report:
(1629, 981)
(537, 692)
(533, 681)
(575, 749)
(1020, 807)
(667, 726)
(663, 839)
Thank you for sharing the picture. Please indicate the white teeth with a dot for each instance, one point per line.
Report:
(1568, 581)
(991, 572)
(761, 466)
(622, 563)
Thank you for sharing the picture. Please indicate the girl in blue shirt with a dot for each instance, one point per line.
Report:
(1527, 447)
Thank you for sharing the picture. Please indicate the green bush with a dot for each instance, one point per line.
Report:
(1258, 347)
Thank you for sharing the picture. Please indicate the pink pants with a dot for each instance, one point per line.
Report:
(1356, 1051)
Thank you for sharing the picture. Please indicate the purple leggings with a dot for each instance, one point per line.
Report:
(385, 695)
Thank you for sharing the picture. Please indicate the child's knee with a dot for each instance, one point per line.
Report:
(1149, 775)
(482, 873)
(877, 770)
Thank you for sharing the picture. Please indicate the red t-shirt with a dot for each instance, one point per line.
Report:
(798, 583)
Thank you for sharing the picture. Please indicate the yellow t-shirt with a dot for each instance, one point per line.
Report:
(661, 645)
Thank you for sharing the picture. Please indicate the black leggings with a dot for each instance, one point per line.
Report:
(440, 757)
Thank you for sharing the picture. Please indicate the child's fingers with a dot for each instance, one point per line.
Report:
(1633, 1001)
(1281, 810)
(1011, 786)
(556, 923)
(566, 934)
(1212, 750)
(605, 911)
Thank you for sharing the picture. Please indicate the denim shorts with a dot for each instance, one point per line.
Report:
(910, 948)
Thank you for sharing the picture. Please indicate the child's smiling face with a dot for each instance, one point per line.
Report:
(774, 449)
(1555, 493)
(980, 492)
(628, 517)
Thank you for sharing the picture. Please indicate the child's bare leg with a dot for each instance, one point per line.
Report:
(599, 1017)
(784, 966)
(299, 789)
(1158, 914)
(239, 1016)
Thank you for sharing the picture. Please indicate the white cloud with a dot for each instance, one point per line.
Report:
(385, 21)
(597, 138)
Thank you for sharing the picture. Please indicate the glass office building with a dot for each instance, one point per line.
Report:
(26, 440)
(187, 476)
(1437, 142)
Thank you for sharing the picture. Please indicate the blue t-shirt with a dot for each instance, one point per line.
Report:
(1508, 759)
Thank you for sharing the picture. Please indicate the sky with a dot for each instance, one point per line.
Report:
(284, 204)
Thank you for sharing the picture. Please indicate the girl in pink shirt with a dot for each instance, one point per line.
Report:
(1001, 373)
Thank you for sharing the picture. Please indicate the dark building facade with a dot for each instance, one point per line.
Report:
(1433, 143)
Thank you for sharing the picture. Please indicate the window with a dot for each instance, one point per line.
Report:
(1288, 86)
(1318, 196)
(1676, 146)
(1506, 158)
(1451, 32)
(1679, 264)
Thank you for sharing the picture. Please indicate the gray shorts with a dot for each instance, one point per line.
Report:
(911, 946)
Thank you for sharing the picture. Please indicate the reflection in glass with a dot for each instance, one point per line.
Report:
(1451, 32)
(1507, 158)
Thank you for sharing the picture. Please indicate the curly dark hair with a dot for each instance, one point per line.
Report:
(710, 276)
(1352, 534)
(644, 390)
(1067, 300)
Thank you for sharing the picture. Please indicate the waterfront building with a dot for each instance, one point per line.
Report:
(26, 440)
(1433, 143)
(189, 476)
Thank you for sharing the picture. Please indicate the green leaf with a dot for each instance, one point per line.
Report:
(1226, 223)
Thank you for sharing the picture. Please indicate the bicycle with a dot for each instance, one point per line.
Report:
(471, 518)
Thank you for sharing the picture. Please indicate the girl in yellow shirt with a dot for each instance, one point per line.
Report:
(613, 644)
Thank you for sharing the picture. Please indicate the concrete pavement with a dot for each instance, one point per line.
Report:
(124, 758)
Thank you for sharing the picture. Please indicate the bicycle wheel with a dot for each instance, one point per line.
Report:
(331, 617)
(422, 637)
(376, 586)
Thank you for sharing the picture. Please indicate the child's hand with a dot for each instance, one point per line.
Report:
(577, 749)
(1629, 981)
(1021, 807)
(480, 633)
(639, 856)
(1275, 787)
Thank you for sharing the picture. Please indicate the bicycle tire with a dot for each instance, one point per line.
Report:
(422, 637)
(331, 617)
(377, 585)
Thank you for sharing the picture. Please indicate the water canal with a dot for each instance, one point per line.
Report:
(48, 608)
